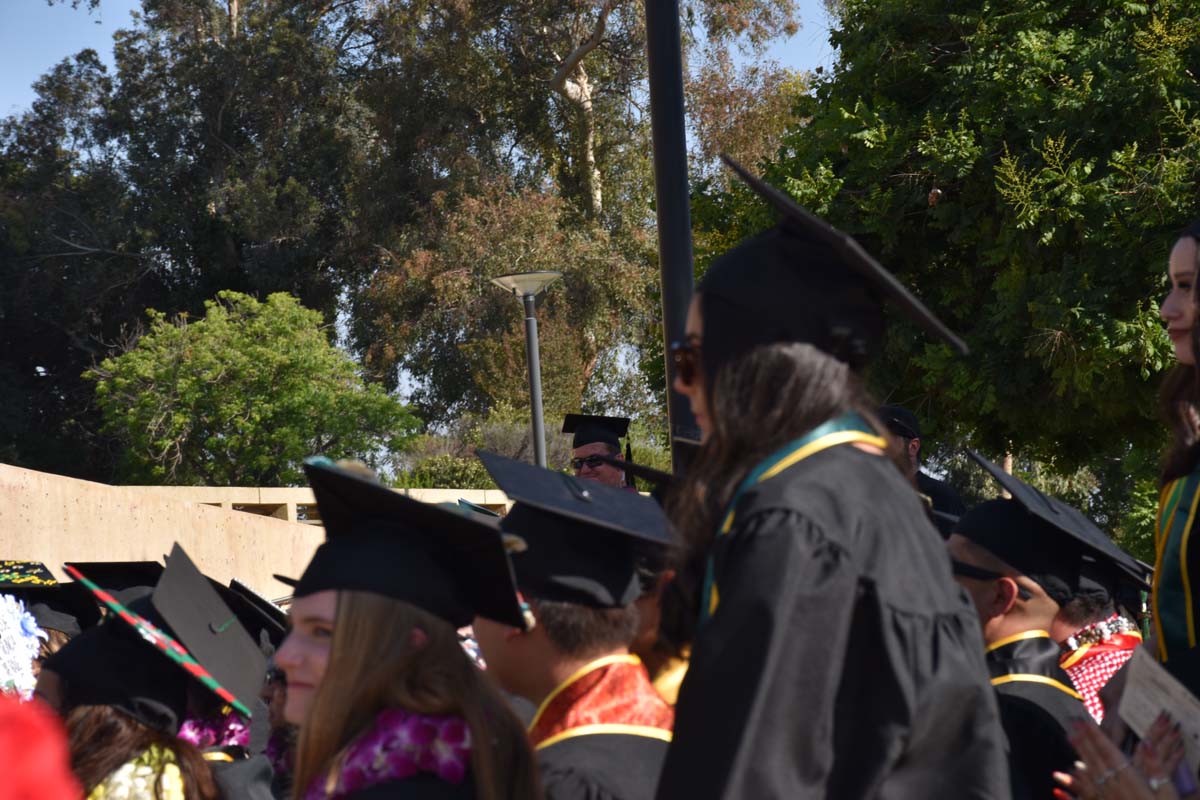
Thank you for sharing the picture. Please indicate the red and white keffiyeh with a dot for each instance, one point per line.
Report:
(1092, 665)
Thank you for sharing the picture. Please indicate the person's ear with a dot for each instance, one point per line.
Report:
(914, 448)
(1004, 595)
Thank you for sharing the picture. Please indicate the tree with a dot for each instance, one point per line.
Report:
(432, 312)
(241, 397)
(1024, 167)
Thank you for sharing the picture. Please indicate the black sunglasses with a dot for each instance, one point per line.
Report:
(591, 461)
(965, 570)
(686, 358)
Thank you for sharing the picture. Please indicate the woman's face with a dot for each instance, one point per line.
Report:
(694, 390)
(1178, 308)
(304, 655)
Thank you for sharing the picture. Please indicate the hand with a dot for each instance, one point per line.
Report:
(1105, 772)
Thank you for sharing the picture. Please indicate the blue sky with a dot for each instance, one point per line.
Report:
(34, 36)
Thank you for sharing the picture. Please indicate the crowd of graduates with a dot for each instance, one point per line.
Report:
(801, 612)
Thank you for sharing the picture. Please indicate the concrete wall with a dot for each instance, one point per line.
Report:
(53, 519)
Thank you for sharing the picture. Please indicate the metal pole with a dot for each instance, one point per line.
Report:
(535, 380)
(665, 57)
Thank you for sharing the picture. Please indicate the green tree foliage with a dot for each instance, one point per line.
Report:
(430, 309)
(1024, 166)
(311, 147)
(241, 397)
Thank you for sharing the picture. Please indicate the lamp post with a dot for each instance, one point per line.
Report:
(664, 57)
(526, 286)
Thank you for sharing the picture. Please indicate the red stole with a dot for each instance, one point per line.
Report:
(1093, 665)
(609, 695)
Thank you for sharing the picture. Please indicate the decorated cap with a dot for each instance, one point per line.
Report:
(801, 281)
(1045, 539)
(448, 561)
(134, 661)
(575, 541)
(591, 428)
(17, 574)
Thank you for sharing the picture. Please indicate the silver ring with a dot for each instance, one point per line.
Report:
(1106, 777)
(1158, 783)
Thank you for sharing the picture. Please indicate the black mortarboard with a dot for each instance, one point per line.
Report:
(208, 627)
(136, 660)
(449, 562)
(118, 575)
(572, 540)
(591, 428)
(478, 509)
(900, 421)
(67, 607)
(18, 574)
(258, 615)
(1044, 538)
(801, 281)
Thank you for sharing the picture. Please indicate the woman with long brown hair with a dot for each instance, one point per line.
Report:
(834, 656)
(387, 702)
(1177, 552)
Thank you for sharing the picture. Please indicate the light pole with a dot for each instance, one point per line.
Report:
(526, 286)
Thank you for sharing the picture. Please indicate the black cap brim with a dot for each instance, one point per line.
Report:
(1071, 522)
(853, 255)
(447, 561)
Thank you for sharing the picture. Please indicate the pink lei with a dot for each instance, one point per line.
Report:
(398, 745)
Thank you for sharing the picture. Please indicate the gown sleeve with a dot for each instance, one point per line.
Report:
(756, 710)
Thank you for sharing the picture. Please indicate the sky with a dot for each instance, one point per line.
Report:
(34, 36)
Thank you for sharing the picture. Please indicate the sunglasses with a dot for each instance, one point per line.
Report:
(965, 570)
(592, 461)
(686, 358)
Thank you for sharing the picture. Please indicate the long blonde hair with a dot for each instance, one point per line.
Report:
(374, 665)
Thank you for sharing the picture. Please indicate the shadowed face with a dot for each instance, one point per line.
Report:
(304, 655)
(693, 389)
(593, 469)
(1178, 309)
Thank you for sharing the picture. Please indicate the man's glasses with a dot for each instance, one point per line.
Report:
(591, 461)
(965, 570)
(686, 358)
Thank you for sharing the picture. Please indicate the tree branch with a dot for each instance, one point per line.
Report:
(559, 81)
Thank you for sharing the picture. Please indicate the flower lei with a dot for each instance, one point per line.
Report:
(1099, 631)
(138, 779)
(20, 637)
(228, 730)
(399, 744)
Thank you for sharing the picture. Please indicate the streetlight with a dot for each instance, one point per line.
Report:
(527, 286)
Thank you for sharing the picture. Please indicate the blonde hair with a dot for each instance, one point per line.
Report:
(375, 665)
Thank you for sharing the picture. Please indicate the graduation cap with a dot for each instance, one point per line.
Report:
(447, 561)
(900, 421)
(591, 428)
(258, 615)
(801, 281)
(66, 607)
(16, 574)
(478, 509)
(209, 628)
(134, 661)
(117, 576)
(575, 541)
(1047, 540)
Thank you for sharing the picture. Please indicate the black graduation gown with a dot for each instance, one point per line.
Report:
(843, 661)
(418, 787)
(1037, 702)
(602, 767)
